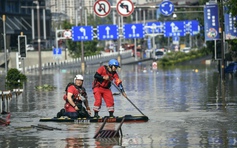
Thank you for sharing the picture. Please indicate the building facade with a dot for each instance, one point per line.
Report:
(21, 16)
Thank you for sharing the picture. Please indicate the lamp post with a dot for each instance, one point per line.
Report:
(4, 41)
(82, 49)
(82, 44)
(38, 26)
(222, 42)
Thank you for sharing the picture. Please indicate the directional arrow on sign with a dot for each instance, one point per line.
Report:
(166, 8)
(83, 31)
(175, 28)
(107, 30)
(133, 29)
(154, 27)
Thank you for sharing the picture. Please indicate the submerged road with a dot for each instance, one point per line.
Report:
(187, 106)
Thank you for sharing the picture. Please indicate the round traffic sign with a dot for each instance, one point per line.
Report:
(102, 8)
(67, 34)
(166, 8)
(125, 7)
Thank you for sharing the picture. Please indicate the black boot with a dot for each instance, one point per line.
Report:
(96, 114)
(61, 113)
(111, 114)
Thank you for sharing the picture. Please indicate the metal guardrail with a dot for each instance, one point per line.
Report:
(90, 61)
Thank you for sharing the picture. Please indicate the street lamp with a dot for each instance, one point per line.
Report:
(4, 41)
(38, 26)
(82, 51)
(174, 16)
(82, 45)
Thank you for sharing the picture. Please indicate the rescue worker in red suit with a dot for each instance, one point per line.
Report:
(74, 97)
(104, 76)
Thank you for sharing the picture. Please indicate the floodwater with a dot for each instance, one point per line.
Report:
(187, 105)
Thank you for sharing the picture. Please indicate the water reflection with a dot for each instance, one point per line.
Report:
(188, 106)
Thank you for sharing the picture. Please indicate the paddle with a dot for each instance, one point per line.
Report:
(127, 98)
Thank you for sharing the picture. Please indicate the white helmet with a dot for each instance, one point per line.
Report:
(79, 77)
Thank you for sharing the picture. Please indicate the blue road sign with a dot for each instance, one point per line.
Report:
(57, 51)
(191, 27)
(230, 28)
(133, 31)
(82, 33)
(211, 24)
(175, 28)
(107, 32)
(166, 8)
(154, 27)
(175, 39)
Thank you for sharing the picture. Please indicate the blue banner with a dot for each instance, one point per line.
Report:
(211, 23)
(230, 28)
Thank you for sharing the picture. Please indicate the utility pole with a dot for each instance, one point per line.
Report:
(82, 45)
(4, 41)
(119, 39)
(38, 26)
(222, 41)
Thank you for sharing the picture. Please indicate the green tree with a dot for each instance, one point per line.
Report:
(90, 47)
(15, 79)
(232, 6)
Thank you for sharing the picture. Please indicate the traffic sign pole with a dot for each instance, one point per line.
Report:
(119, 40)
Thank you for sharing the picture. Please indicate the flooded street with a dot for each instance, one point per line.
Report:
(187, 106)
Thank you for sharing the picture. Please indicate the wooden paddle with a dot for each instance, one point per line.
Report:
(128, 99)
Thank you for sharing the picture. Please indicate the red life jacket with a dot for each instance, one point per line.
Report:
(103, 71)
(81, 90)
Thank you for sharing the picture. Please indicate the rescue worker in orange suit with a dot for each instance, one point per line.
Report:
(104, 76)
(74, 97)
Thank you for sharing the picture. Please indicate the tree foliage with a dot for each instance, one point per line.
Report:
(15, 79)
(232, 6)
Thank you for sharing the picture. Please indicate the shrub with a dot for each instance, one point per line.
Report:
(15, 79)
(177, 57)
